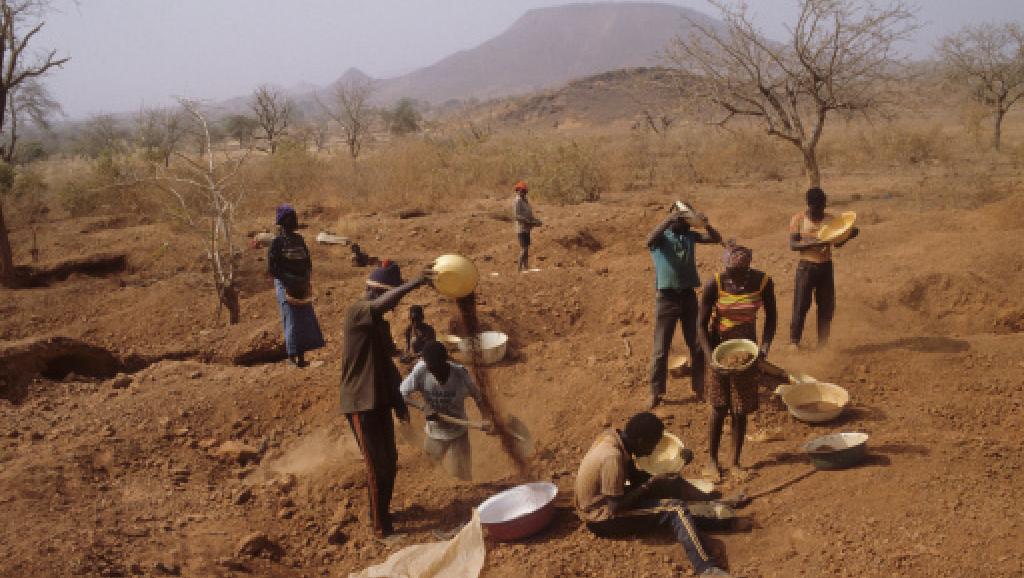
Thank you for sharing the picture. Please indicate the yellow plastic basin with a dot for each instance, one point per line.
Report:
(837, 227)
(456, 276)
(667, 457)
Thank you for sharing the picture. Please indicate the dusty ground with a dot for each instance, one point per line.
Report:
(115, 477)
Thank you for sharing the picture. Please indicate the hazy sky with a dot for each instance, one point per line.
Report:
(130, 53)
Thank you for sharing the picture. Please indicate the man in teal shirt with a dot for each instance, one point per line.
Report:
(673, 249)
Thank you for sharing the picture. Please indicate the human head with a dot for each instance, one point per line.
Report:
(680, 225)
(286, 217)
(737, 258)
(385, 277)
(816, 199)
(643, 432)
(435, 356)
(416, 313)
(521, 188)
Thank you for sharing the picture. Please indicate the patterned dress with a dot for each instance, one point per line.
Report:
(736, 318)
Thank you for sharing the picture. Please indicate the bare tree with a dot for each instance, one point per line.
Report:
(102, 133)
(20, 21)
(273, 113)
(989, 58)
(351, 109)
(242, 128)
(207, 197)
(838, 56)
(159, 133)
(30, 101)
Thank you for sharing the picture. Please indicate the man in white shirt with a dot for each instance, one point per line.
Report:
(444, 386)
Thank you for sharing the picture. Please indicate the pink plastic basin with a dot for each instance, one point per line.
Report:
(518, 512)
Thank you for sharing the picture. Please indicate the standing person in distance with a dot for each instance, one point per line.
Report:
(673, 246)
(814, 273)
(525, 222)
(289, 263)
(370, 382)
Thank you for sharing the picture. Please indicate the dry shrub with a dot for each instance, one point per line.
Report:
(886, 145)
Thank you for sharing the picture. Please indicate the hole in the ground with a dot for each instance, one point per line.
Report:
(261, 357)
(85, 365)
(94, 265)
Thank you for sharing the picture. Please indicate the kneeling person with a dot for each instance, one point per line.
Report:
(610, 507)
(444, 386)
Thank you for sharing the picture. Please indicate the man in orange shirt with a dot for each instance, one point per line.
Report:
(814, 275)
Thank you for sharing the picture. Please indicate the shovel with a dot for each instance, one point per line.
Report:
(513, 425)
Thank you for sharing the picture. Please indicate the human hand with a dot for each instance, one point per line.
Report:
(687, 455)
(402, 413)
(488, 428)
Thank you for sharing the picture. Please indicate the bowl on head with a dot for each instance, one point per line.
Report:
(518, 512)
(491, 344)
(667, 457)
(733, 347)
(815, 401)
(837, 228)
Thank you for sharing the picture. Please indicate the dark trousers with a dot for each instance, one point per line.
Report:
(650, 514)
(813, 280)
(375, 433)
(673, 306)
(524, 249)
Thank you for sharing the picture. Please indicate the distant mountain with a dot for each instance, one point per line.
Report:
(546, 47)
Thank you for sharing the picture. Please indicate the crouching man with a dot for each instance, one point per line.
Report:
(444, 386)
(614, 498)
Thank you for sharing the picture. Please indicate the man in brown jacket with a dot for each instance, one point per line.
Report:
(369, 385)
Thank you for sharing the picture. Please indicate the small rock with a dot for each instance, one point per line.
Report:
(286, 513)
(232, 564)
(236, 452)
(285, 483)
(336, 535)
(168, 568)
(258, 543)
(195, 374)
(121, 381)
(243, 496)
(207, 443)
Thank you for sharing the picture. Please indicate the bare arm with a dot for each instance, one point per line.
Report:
(707, 305)
(853, 233)
(390, 300)
(710, 234)
(797, 242)
(658, 231)
(771, 317)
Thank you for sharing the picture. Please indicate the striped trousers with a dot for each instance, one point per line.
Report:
(375, 433)
(649, 514)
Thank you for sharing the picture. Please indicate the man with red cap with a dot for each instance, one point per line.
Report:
(369, 385)
(525, 222)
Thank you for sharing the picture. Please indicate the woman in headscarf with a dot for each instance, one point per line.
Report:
(289, 264)
(728, 310)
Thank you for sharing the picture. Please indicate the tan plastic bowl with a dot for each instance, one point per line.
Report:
(456, 276)
(733, 346)
(837, 227)
(667, 457)
(798, 396)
